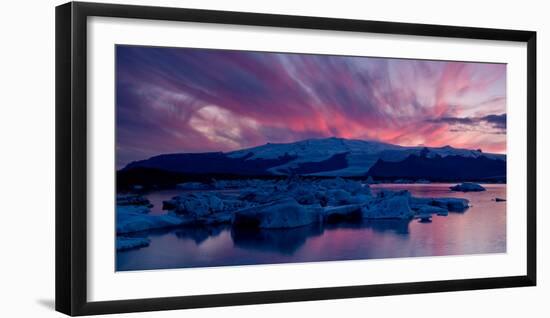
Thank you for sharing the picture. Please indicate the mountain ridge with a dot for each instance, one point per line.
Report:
(325, 157)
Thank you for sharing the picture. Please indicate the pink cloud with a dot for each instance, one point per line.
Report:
(162, 94)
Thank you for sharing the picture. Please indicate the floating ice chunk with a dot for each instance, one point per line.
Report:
(331, 182)
(285, 213)
(140, 209)
(350, 186)
(425, 218)
(430, 209)
(365, 189)
(306, 198)
(390, 193)
(304, 193)
(191, 203)
(204, 207)
(451, 204)
(361, 198)
(467, 187)
(342, 213)
(234, 204)
(132, 199)
(338, 197)
(127, 243)
(261, 195)
(389, 205)
(127, 222)
(198, 203)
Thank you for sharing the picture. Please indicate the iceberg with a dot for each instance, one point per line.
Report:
(204, 207)
(132, 199)
(389, 205)
(342, 213)
(128, 221)
(349, 186)
(425, 218)
(451, 204)
(126, 243)
(285, 213)
(467, 187)
(430, 209)
(261, 195)
(338, 197)
(273, 204)
(139, 209)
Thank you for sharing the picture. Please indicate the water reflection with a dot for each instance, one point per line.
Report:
(481, 230)
(284, 241)
(199, 234)
(281, 241)
(287, 241)
(380, 226)
(396, 226)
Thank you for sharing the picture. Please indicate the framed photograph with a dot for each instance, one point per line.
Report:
(208, 158)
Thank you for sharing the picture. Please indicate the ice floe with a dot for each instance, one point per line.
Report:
(130, 221)
(279, 203)
(389, 205)
(467, 187)
(285, 213)
(449, 204)
(132, 199)
(126, 243)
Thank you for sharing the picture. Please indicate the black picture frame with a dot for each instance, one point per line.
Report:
(71, 157)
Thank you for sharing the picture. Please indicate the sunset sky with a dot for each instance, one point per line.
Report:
(171, 100)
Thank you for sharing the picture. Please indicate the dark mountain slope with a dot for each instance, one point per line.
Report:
(437, 168)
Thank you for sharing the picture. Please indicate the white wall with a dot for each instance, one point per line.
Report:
(27, 158)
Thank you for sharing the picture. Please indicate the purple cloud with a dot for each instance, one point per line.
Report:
(195, 100)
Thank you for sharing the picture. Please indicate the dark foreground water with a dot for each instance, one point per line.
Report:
(481, 229)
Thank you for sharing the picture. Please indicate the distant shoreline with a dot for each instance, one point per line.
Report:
(150, 179)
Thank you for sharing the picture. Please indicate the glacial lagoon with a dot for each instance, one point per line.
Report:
(479, 230)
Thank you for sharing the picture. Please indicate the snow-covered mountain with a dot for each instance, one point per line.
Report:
(314, 157)
(360, 155)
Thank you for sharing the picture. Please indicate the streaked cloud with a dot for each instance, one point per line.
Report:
(492, 122)
(195, 100)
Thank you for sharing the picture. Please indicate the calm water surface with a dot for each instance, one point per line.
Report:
(480, 229)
